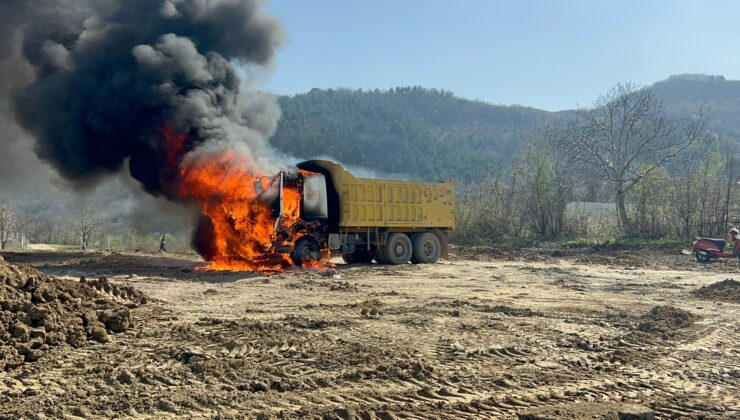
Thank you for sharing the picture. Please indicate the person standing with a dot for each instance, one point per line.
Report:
(735, 236)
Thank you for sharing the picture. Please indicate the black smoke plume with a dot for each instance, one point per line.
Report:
(109, 76)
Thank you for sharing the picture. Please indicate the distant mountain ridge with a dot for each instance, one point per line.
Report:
(433, 134)
(684, 94)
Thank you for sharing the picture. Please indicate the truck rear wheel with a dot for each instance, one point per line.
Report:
(397, 249)
(305, 250)
(426, 248)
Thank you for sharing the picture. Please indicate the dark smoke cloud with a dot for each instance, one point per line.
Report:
(96, 81)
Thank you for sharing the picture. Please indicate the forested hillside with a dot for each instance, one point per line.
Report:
(418, 132)
(683, 94)
(432, 134)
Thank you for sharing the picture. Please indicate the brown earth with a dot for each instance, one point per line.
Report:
(727, 290)
(38, 312)
(484, 334)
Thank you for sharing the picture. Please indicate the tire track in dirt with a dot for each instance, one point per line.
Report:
(462, 339)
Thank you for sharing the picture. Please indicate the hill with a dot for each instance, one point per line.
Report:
(422, 133)
(683, 94)
(433, 134)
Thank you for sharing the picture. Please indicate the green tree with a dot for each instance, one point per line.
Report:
(546, 184)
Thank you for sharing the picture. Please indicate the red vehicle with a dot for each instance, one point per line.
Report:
(706, 249)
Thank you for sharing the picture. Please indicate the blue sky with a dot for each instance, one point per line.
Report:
(547, 54)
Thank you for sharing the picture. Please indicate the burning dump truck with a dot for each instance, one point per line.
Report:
(389, 221)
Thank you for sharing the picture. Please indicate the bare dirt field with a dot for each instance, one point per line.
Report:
(484, 334)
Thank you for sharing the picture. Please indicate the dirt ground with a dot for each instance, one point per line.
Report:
(485, 334)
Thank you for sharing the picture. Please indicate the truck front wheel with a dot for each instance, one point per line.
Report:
(427, 248)
(305, 250)
(397, 249)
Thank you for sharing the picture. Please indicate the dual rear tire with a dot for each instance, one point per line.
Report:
(420, 248)
(397, 249)
(427, 248)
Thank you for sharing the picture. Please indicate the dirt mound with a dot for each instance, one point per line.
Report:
(666, 319)
(133, 297)
(727, 290)
(38, 312)
(511, 311)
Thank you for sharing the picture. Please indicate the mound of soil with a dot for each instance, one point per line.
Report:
(727, 290)
(133, 297)
(38, 312)
(666, 319)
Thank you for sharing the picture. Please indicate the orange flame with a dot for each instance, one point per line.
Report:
(240, 232)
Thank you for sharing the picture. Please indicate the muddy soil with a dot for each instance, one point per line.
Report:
(485, 334)
(38, 311)
(727, 290)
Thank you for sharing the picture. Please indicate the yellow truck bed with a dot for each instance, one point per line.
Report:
(366, 203)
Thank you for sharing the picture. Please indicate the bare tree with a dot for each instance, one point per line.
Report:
(625, 137)
(87, 222)
(7, 224)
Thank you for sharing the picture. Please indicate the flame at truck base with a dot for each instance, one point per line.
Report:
(237, 231)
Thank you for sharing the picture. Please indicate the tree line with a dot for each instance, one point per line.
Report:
(82, 225)
(665, 178)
